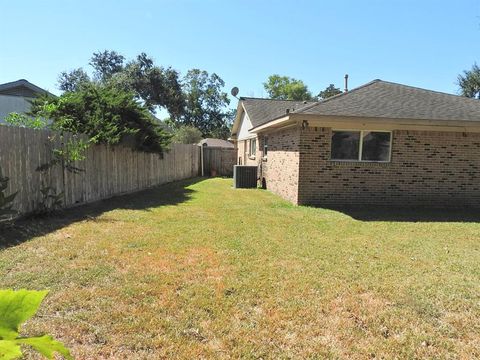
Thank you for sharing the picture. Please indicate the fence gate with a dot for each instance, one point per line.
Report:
(218, 161)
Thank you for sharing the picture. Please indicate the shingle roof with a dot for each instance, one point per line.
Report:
(212, 142)
(25, 83)
(261, 111)
(383, 99)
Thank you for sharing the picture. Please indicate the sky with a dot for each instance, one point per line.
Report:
(422, 43)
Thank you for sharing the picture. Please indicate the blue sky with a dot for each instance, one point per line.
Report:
(423, 43)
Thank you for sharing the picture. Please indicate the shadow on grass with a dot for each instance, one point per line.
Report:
(412, 214)
(30, 227)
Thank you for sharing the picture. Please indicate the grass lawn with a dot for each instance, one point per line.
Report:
(199, 270)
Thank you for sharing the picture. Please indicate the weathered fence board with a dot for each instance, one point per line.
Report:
(106, 171)
(220, 160)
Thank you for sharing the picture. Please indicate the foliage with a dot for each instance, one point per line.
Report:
(73, 80)
(154, 85)
(16, 307)
(50, 201)
(198, 102)
(187, 135)
(286, 88)
(23, 120)
(329, 91)
(106, 64)
(206, 103)
(106, 114)
(73, 149)
(6, 201)
(469, 82)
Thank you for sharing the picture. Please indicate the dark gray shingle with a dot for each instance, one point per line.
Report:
(261, 111)
(382, 99)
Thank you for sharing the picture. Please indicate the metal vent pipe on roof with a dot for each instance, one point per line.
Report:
(346, 82)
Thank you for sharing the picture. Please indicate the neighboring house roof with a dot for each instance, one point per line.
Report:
(21, 88)
(383, 99)
(211, 142)
(261, 111)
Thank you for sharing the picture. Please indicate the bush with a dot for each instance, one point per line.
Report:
(187, 135)
(106, 114)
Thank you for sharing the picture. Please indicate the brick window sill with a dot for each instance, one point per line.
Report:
(360, 163)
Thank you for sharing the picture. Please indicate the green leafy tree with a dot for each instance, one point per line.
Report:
(156, 86)
(469, 82)
(23, 120)
(187, 135)
(286, 88)
(16, 307)
(72, 80)
(106, 64)
(329, 91)
(106, 114)
(206, 102)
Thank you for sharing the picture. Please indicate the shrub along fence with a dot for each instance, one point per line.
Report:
(105, 172)
(218, 161)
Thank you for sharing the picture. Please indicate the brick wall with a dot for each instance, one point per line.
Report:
(280, 169)
(426, 169)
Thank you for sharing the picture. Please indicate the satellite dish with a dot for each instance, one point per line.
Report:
(234, 91)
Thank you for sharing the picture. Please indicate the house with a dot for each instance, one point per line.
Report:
(379, 144)
(16, 96)
(216, 143)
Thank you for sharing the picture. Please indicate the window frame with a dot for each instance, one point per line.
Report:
(360, 146)
(250, 154)
(265, 147)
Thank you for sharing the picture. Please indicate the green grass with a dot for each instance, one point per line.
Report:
(200, 270)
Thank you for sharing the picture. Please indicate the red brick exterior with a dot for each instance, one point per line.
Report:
(427, 168)
(280, 169)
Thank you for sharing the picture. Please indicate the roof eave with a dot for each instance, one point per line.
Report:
(278, 122)
(360, 121)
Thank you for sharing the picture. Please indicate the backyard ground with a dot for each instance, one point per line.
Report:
(197, 269)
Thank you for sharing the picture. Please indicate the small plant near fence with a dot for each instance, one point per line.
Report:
(6, 201)
(72, 149)
(16, 307)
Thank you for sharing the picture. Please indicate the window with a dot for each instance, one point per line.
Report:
(253, 147)
(265, 146)
(350, 145)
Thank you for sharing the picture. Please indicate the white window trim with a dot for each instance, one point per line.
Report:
(265, 145)
(361, 147)
(250, 155)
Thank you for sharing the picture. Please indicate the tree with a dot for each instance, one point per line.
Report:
(73, 80)
(286, 88)
(469, 82)
(329, 91)
(187, 135)
(154, 85)
(106, 64)
(106, 114)
(206, 103)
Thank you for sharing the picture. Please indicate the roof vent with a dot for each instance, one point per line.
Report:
(304, 101)
(346, 82)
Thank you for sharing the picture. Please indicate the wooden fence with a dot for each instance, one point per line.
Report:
(106, 171)
(220, 160)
